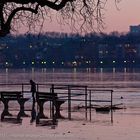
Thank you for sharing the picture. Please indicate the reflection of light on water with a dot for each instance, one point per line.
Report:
(74, 74)
(53, 75)
(101, 70)
(88, 70)
(101, 74)
(6, 70)
(33, 73)
(24, 74)
(125, 70)
(74, 70)
(24, 70)
(116, 79)
(45, 70)
(7, 76)
(114, 70)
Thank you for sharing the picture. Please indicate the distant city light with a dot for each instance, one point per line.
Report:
(30, 46)
(74, 62)
(24, 63)
(105, 53)
(88, 62)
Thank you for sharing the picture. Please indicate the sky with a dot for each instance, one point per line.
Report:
(120, 20)
(115, 20)
(128, 13)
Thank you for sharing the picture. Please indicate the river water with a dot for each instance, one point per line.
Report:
(125, 82)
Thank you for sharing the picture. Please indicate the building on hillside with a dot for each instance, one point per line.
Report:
(135, 29)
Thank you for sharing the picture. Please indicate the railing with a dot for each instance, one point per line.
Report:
(109, 100)
(77, 93)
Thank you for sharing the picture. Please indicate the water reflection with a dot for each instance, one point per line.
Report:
(51, 122)
(90, 76)
(8, 117)
(33, 113)
(121, 80)
(13, 120)
(17, 118)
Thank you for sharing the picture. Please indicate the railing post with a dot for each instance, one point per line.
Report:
(37, 89)
(111, 98)
(50, 104)
(86, 102)
(69, 102)
(53, 104)
(90, 104)
(112, 106)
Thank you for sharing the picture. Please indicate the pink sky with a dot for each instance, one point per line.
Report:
(128, 14)
(115, 20)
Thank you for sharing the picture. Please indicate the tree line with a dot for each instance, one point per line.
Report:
(63, 49)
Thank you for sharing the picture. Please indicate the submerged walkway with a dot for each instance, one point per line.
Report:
(53, 97)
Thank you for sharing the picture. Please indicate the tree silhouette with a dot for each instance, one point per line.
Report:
(13, 13)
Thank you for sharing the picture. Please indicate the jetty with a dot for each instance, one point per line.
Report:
(54, 96)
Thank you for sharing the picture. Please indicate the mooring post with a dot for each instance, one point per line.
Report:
(69, 102)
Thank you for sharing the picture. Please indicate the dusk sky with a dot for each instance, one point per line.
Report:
(115, 20)
(128, 14)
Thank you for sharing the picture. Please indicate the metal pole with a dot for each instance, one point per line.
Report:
(37, 89)
(86, 102)
(50, 104)
(111, 106)
(90, 104)
(69, 102)
(53, 104)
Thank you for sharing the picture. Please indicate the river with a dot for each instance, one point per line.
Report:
(125, 82)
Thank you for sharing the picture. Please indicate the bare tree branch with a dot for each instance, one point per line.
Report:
(86, 14)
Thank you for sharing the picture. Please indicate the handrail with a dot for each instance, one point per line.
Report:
(68, 92)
